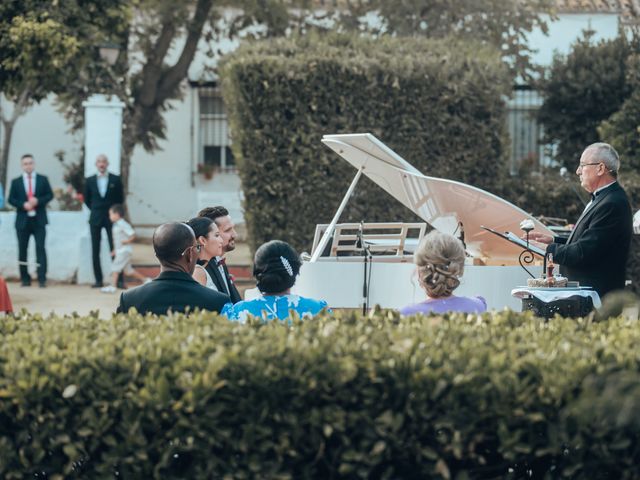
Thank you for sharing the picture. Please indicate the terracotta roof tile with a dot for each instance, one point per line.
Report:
(626, 8)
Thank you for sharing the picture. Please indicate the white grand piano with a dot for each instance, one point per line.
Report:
(335, 269)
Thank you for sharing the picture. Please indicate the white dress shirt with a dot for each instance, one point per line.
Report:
(103, 183)
(595, 193)
(223, 275)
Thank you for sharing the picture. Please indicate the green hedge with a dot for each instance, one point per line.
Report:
(439, 104)
(502, 396)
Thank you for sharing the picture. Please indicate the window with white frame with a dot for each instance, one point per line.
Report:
(214, 140)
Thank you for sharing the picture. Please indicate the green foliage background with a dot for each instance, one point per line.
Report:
(497, 396)
(585, 88)
(438, 104)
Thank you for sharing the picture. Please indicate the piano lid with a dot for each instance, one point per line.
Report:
(440, 202)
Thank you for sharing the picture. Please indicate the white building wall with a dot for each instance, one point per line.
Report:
(42, 131)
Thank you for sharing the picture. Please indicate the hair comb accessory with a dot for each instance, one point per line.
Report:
(287, 266)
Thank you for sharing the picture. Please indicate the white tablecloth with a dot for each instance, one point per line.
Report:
(547, 295)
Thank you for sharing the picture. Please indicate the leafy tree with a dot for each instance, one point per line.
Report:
(164, 36)
(622, 129)
(42, 45)
(160, 40)
(500, 23)
(583, 89)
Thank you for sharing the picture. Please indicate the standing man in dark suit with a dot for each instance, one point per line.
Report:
(175, 289)
(30, 193)
(218, 269)
(596, 252)
(101, 192)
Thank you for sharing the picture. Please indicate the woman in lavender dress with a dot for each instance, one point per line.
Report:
(440, 263)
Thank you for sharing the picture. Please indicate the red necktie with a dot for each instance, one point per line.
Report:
(30, 190)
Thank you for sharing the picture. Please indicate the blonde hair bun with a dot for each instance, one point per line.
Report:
(440, 261)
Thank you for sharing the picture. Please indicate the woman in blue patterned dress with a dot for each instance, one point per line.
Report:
(275, 267)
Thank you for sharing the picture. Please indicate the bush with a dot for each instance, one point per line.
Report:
(622, 129)
(438, 104)
(499, 396)
(581, 90)
(545, 195)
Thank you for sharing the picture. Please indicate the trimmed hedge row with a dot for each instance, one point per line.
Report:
(497, 396)
(439, 104)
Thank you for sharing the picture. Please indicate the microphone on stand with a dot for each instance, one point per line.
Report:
(359, 241)
(461, 227)
(361, 245)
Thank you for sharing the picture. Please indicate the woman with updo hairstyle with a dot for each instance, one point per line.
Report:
(275, 268)
(210, 241)
(439, 263)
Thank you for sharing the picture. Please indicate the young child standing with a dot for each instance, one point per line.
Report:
(123, 236)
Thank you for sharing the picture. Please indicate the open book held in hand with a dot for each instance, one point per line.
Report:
(513, 238)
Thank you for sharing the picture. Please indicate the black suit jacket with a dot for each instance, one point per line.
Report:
(98, 205)
(596, 252)
(212, 268)
(18, 195)
(175, 291)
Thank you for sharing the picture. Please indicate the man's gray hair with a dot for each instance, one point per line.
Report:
(606, 154)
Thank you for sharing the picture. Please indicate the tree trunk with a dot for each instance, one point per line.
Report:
(128, 144)
(158, 85)
(9, 123)
(6, 146)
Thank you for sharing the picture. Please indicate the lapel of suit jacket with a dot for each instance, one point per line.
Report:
(36, 185)
(109, 180)
(20, 181)
(215, 276)
(229, 281)
(591, 209)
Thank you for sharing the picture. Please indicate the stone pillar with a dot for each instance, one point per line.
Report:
(102, 131)
(102, 134)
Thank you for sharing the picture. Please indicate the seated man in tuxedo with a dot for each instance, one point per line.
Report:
(174, 290)
(217, 269)
(596, 252)
(30, 193)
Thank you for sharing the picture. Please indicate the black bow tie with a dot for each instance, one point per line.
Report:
(221, 262)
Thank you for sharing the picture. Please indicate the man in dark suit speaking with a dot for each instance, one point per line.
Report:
(30, 193)
(101, 192)
(596, 252)
(175, 289)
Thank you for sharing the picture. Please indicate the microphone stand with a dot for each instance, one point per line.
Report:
(527, 256)
(361, 244)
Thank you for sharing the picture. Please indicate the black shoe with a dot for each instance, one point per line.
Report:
(97, 285)
(42, 284)
(26, 283)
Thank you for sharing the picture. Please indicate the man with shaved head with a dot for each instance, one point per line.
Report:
(174, 290)
(101, 192)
